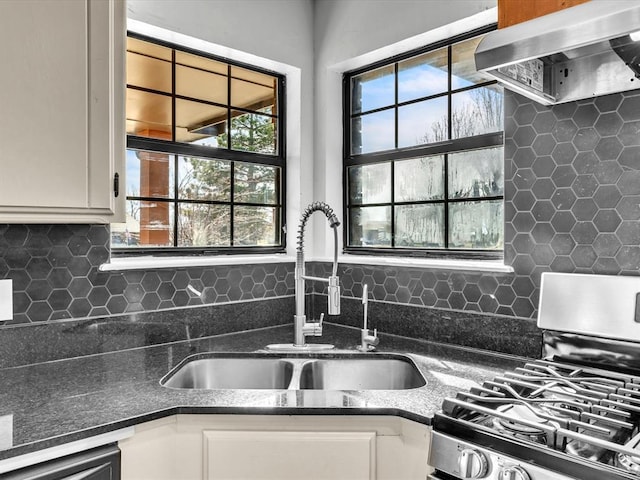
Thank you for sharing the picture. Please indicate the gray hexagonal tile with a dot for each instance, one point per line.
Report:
(629, 157)
(38, 290)
(629, 207)
(629, 110)
(564, 130)
(543, 144)
(543, 211)
(59, 299)
(586, 139)
(544, 122)
(564, 153)
(586, 115)
(609, 148)
(524, 136)
(608, 172)
(584, 209)
(607, 220)
(584, 186)
(628, 233)
(608, 124)
(629, 134)
(583, 256)
(606, 245)
(584, 233)
(79, 287)
(563, 199)
(563, 222)
(562, 244)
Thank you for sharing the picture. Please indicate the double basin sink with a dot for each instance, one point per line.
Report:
(295, 372)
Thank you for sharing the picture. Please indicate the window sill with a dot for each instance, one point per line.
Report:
(146, 263)
(495, 266)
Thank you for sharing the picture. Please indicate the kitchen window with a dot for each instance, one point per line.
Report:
(423, 159)
(205, 161)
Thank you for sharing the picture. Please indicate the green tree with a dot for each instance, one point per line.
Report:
(205, 224)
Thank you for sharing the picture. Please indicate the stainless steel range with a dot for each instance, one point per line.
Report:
(573, 415)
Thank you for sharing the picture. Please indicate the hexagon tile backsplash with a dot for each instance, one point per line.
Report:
(572, 204)
(55, 275)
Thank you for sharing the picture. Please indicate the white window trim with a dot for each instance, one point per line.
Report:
(145, 263)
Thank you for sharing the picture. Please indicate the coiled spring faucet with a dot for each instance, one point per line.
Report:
(301, 326)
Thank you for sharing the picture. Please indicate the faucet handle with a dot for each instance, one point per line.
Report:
(334, 296)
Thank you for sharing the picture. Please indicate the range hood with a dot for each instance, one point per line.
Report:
(585, 51)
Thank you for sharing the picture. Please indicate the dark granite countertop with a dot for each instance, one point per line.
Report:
(57, 402)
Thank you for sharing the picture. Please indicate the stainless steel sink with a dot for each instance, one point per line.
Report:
(361, 374)
(230, 373)
(295, 372)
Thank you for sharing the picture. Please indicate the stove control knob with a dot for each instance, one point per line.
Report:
(514, 473)
(472, 463)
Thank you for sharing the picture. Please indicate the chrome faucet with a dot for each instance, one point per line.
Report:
(368, 341)
(302, 328)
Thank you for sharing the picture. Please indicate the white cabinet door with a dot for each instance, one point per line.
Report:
(286, 455)
(260, 447)
(61, 110)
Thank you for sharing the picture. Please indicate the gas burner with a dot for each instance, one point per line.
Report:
(588, 451)
(629, 463)
(518, 422)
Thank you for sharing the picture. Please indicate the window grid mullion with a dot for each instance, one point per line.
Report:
(175, 161)
(446, 155)
(232, 193)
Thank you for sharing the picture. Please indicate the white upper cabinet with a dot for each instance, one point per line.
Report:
(62, 135)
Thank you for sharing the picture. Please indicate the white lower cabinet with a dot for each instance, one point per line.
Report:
(215, 447)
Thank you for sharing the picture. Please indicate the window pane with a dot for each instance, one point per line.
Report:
(423, 122)
(148, 72)
(198, 122)
(373, 90)
(255, 226)
(419, 179)
(148, 224)
(148, 114)
(477, 111)
(479, 173)
(203, 225)
(476, 225)
(251, 132)
(204, 179)
(370, 226)
(373, 132)
(252, 90)
(423, 76)
(202, 63)
(463, 68)
(149, 174)
(201, 84)
(256, 183)
(420, 226)
(148, 65)
(370, 184)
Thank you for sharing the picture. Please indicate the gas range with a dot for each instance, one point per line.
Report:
(575, 414)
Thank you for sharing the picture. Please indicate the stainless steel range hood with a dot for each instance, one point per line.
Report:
(585, 51)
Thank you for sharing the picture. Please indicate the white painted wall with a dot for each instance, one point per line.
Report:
(353, 33)
(273, 34)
